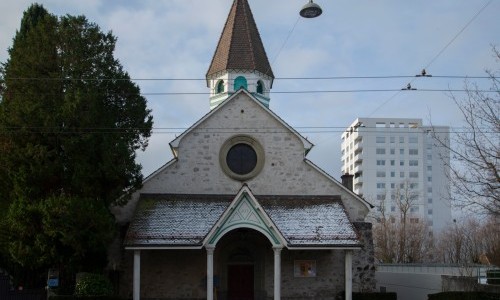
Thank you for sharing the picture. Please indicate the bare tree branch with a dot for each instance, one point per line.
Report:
(475, 149)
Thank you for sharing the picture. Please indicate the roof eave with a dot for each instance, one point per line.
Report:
(163, 247)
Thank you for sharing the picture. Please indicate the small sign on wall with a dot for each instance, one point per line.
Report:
(304, 268)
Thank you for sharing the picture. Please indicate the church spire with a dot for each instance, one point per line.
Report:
(240, 60)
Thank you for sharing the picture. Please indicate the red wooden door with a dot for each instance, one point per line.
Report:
(240, 282)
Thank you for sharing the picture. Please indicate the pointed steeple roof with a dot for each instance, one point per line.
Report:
(240, 46)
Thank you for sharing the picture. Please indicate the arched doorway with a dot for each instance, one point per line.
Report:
(241, 265)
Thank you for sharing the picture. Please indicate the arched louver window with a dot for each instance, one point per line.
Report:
(260, 87)
(239, 83)
(220, 87)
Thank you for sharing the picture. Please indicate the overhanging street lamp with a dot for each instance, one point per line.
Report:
(311, 10)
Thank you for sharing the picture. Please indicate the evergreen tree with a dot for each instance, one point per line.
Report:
(70, 122)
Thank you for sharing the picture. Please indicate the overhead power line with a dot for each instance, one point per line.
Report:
(436, 57)
(305, 92)
(277, 78)
(217, 130)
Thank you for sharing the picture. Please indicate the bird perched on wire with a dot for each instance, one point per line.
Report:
(408, 87)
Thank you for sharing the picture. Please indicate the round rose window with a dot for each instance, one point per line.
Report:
(241, 157)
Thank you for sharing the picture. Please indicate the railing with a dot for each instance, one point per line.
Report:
(478, 271)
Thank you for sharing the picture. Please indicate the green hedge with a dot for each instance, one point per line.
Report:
(464, 296)
(93, 285)
(374, 296)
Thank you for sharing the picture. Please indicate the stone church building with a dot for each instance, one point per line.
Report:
(240, 212)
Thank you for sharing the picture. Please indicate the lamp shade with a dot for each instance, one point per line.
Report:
(311, 10)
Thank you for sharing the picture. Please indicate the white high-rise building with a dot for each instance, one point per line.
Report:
(390, 157)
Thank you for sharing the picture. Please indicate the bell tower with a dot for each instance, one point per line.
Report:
(240, 60)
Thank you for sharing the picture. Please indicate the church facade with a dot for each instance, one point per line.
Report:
(240, 212)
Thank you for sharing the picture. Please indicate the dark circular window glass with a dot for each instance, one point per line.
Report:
(241, 159)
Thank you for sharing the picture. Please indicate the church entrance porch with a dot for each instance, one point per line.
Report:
(240, 258)
(245, 253)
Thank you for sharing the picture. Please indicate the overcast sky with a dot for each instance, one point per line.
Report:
(175, 39)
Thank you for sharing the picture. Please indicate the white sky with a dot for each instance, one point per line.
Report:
(177, 38)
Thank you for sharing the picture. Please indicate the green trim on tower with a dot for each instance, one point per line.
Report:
(240, 82)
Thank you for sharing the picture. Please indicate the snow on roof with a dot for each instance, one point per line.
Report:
(174, 220)
(169, 220)
(311, 220)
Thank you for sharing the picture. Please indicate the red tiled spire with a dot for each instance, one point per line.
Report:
(240, 46)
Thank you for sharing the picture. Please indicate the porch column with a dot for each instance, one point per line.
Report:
(277, 273)
(137, 275)
(348, 275)
(210, 273)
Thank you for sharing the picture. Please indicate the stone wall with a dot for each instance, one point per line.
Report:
(167, 274)
(363, 278)
(329, 280)
(181, 274)
(197, 168)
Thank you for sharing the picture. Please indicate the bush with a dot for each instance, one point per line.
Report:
(93, 285)
(374, 296)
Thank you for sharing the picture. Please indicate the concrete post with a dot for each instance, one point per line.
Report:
(137, 275)
(210, 273)
(277, 273)
(348, 275)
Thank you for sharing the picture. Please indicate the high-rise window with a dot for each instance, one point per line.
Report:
(380, 150)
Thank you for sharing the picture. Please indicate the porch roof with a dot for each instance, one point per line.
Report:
(173, 220)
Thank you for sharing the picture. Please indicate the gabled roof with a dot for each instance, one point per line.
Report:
(174, 220)
(175, 143)
(245, 212)
(311, 221)
(240, 46)
(165, 221)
